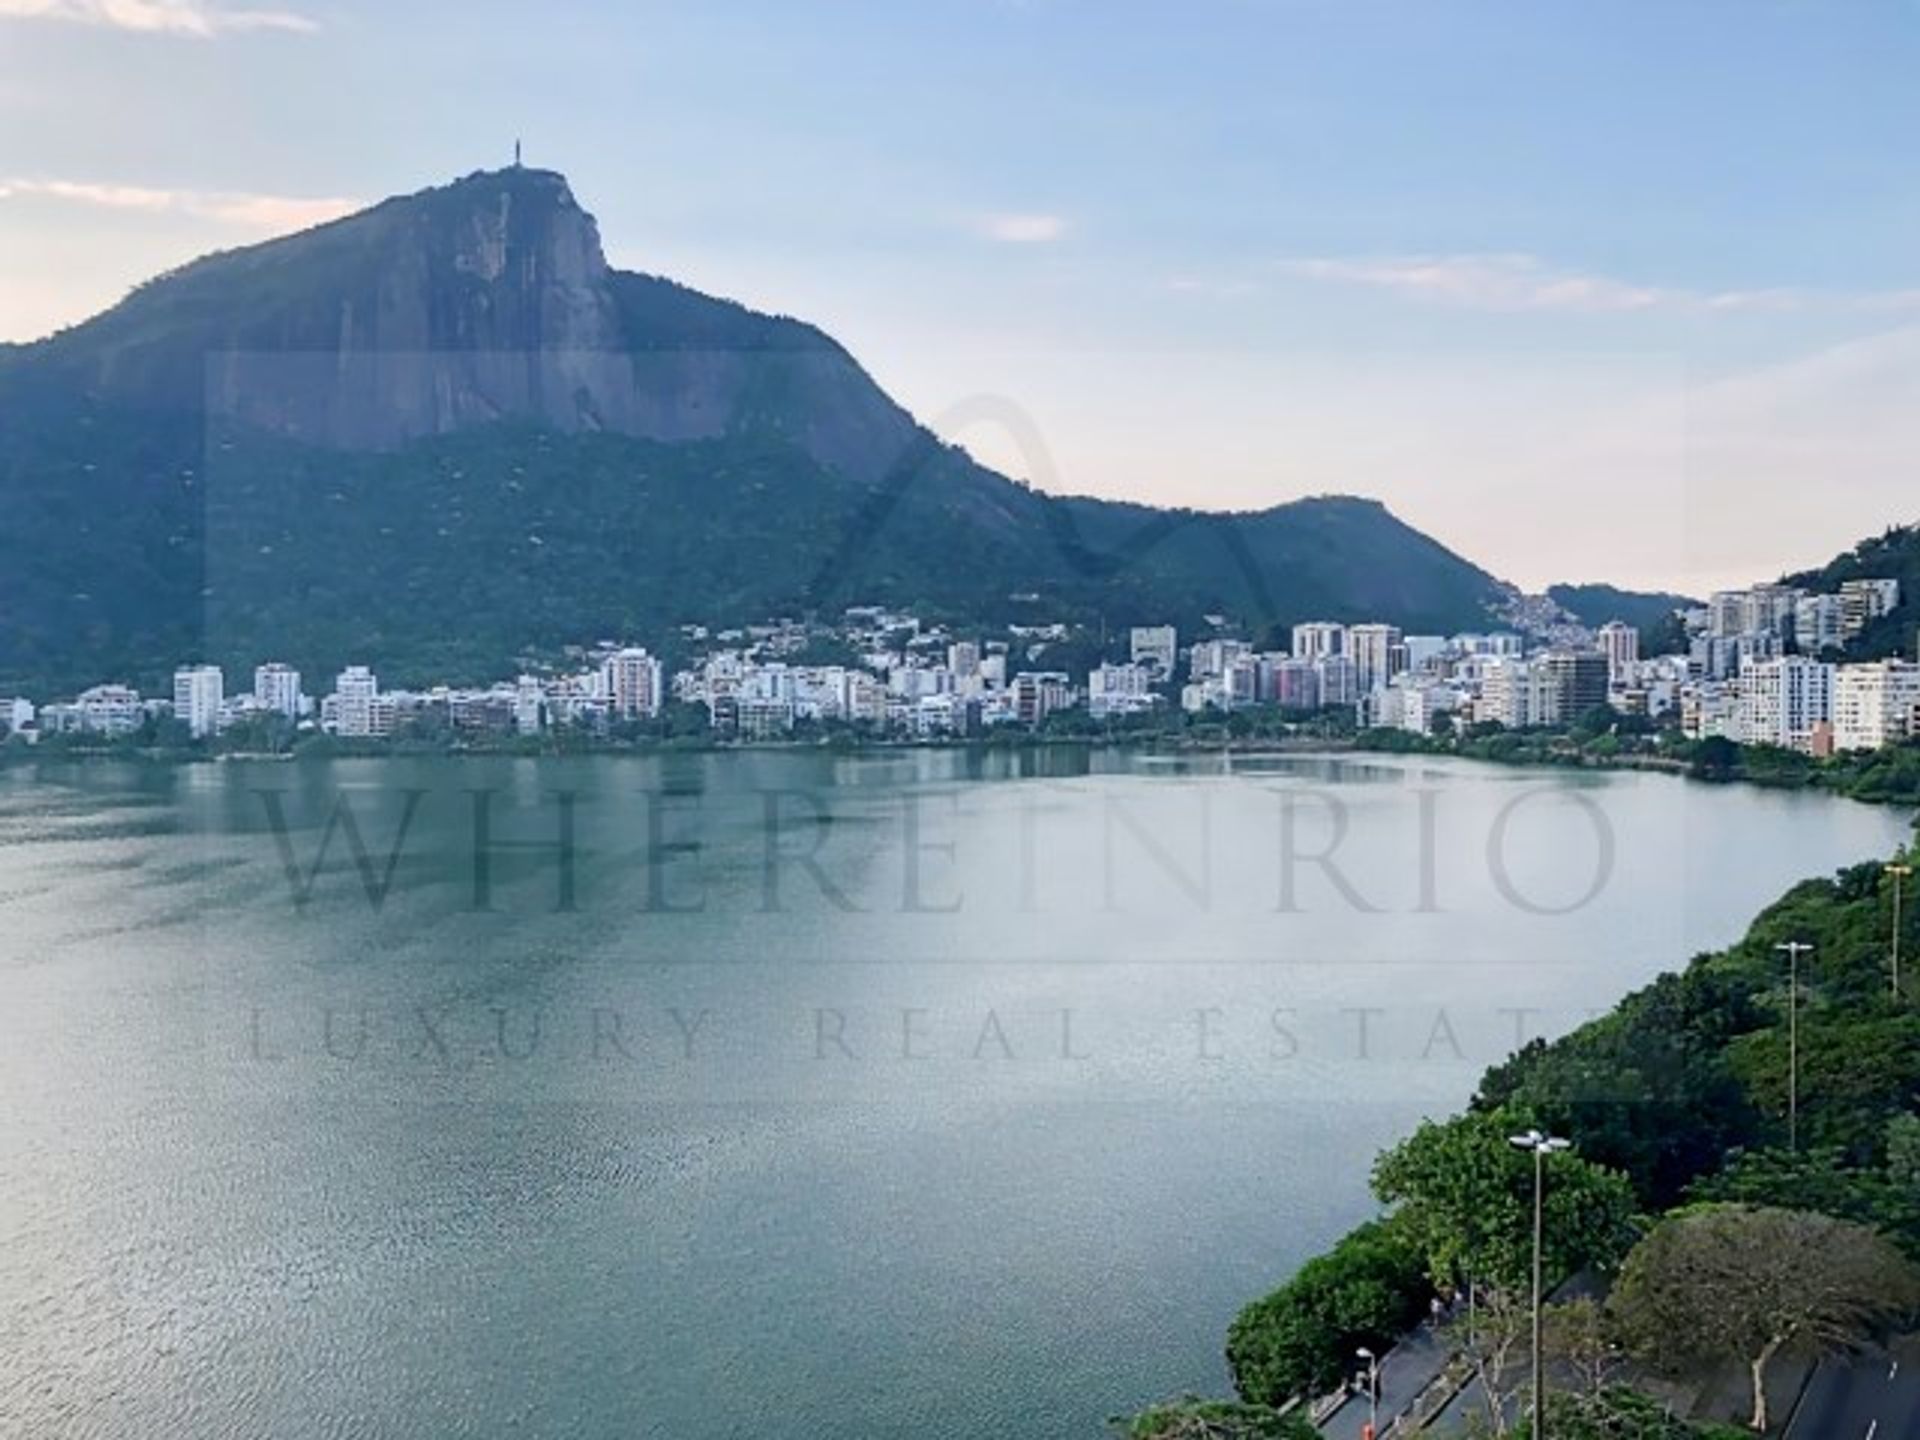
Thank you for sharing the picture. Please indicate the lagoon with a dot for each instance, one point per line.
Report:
(765, 1093)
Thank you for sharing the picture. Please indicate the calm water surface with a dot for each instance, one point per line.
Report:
(763, 1094)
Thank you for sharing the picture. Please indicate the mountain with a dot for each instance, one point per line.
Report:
(1596, 604)
(444, 430)
(1892, 555)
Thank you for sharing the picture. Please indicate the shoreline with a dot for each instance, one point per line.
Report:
(1573, 1087)
(1839, 778)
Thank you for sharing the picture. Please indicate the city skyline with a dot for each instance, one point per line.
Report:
(1221, 264)
(1772, 666)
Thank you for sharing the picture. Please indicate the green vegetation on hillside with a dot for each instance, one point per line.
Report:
(1300, 1340)
(128, 550)
(146, 517)
(1892, 555)
(1595, 605)
(1675, 1103)
(1213, 1420)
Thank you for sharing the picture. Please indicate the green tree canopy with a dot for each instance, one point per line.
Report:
(1213, 1420)
(1618, 1413)
(1738, 1282)
(1300, 1340)
(1465, 1196)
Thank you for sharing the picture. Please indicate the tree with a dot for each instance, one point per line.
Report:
(1576, 1334)
(1465, 1198)
(1598, 720)
(1494, 1338)
(1903, 1150)
(1645, 1090)
(1368, 1290)
(1739, 1282)
(1618, 1413)
(1716, 758)
(1213, 1420)
(1855, 1071)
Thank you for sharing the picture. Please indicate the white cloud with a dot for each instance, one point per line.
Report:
(1491, 282)
(1023, 229)
(269, 213)
(1517, 282)
(200, 18)
(1216, 289)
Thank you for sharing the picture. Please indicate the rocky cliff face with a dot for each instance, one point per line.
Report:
(290, 450)
(485, 300)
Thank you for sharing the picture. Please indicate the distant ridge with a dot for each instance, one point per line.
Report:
(1596, 604)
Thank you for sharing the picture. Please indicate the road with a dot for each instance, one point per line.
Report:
(1407, 1370)
(1872, 1396)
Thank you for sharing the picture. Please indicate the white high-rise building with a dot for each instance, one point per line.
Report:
(963, 659)
(1864, 601)
(1338, 683)
(1422, 702)
(1620, 643)
(1781, 701)
(1212, 659)
(1241, 683)
(108, 709)
(529, 704)
(1818, 624)
(1372, 649)
(198, 693)
(356, 691)
(1709, 710)
(1119, 690)
(1501, 642)
(861, 697)
(1519, 693)
(1423, 651)
(1317, 638)
(1874, 705)
(1155, 647)
(1037, 694)
(1504, 693)
(916, 682)
(632, 682)
(1770, 608)
(277, 688)
(1294, 684)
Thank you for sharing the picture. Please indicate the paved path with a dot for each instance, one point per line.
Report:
(1406, 1371)
(1873, 1396)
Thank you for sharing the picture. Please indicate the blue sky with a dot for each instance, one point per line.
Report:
(1625, 291)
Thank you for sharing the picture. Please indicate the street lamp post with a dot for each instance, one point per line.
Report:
(1794, 949)
(1542, 1145)
(1899, 872)
(1373, 1390)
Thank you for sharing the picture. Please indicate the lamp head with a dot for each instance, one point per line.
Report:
(1539, 1143)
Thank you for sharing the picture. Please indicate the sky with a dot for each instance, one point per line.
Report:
(1624, 291)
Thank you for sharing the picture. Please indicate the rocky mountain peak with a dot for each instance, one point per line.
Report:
(494, 219)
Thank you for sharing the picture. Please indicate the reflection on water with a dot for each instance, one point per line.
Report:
(777, 1092)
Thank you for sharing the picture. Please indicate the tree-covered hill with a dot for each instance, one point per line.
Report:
(444, 431)
(1893, 554)
(1597, 604)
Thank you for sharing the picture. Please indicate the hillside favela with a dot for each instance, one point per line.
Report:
(973, 720)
